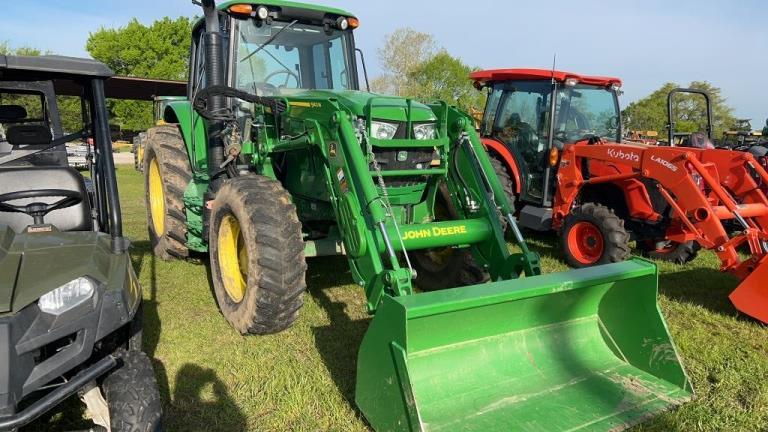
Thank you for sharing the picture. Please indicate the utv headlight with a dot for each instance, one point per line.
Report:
(67, 296)
(383, 131)
(425, 131)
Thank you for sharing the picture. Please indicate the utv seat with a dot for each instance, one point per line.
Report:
(76, 218)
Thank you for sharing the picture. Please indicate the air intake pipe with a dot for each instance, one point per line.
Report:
(213, 44)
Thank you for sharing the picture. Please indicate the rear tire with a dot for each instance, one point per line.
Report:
(167, 174)
(500, 168)
(678, 253)
(132, 395)
(444, 268)
(257, 255)
(594, 235)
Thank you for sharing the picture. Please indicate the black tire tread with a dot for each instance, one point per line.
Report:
(132, 395)
(683, 253)
(615, 236)
(272, 304)
(505, 178)
(166, 143)
(460, 269)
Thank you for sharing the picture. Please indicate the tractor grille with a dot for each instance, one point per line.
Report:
(396, 159)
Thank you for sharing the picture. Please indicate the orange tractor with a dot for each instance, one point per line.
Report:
(575, 176)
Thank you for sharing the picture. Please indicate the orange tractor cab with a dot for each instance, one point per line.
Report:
(574, 175)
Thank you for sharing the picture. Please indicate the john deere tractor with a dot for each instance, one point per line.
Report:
(277, 157)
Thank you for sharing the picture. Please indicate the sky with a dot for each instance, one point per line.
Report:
(646, 43)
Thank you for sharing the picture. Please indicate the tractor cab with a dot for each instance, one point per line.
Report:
(278, 50)
(518, 127)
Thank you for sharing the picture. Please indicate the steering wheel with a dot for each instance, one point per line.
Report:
(38, 210)
(288, 75)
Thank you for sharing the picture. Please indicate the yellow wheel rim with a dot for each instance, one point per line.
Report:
(233, 258)
(156, 198)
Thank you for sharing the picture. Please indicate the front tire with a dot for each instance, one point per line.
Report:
(257, 255)
(132, 395)
(594, 235)
(167, 173)
(443, 268)
(677, 253)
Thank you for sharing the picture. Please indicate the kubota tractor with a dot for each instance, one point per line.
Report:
(277, 156)
(575, 176)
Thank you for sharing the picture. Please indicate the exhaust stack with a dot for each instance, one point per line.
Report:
(214, 61)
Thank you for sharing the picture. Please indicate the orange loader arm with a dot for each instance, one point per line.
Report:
(705, 188)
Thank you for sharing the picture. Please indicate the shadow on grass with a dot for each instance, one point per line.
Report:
(202, 399)
(339, 341)
(199, 398)
(706, 287)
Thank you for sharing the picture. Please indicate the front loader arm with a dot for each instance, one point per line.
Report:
(362, 213)
(704, 187)
(474, 168)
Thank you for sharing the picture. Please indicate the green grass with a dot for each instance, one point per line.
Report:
(213, 379)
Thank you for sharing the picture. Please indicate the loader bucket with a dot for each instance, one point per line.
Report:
(751, 296)
(581, 350)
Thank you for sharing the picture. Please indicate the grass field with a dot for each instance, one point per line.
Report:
(212, 379)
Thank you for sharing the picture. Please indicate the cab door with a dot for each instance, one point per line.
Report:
(520, 121)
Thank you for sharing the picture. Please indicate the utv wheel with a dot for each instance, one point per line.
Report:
(167, 174)
(257, 255)
(132, 395)
(594, 235)
(443, 268)
(678, 253)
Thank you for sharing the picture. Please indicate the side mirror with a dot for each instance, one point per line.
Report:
(365, 69)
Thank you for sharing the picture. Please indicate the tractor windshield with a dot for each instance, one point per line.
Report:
(273, 58)
(585, 111)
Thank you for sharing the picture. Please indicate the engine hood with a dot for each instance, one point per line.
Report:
(34, 264)
(357, 102)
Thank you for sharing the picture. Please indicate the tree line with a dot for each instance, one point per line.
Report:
(413, 65)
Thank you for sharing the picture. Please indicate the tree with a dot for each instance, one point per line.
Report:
(650, 113)
(446, 78)
(5, 49)
(159, 51)
(403, 52)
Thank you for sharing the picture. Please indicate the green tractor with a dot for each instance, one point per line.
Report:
(158, 108)
(277, 157)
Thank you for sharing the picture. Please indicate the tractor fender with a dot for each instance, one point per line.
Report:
(192, 130)
(492, 145)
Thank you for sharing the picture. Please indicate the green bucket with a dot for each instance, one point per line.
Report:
(581, 350)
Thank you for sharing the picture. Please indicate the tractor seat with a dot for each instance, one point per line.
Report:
(76, 218)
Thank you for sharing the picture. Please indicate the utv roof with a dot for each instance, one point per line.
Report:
(65, 71)
(54, 65)
(496, 75)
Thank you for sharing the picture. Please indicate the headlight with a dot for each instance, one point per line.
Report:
(425, 131)
(67, 296)
(383, 131)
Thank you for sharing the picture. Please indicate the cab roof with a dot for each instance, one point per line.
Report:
(497, 75)
(52, 65)
(287, 4)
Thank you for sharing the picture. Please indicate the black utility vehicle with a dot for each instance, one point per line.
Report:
(69, 297)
